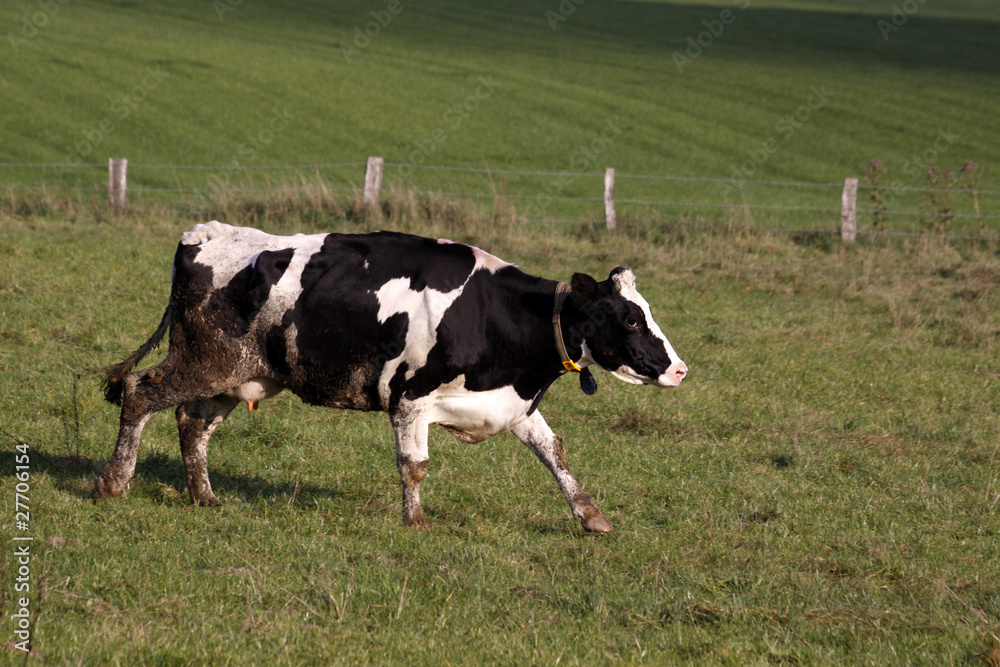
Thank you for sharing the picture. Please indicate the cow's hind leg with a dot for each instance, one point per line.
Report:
(548, 447)
(196, 421)
(145, 393)
(413, 462)
(118, 472)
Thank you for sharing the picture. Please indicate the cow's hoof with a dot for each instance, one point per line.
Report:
(417, 522)
(210, 501)
(597, 524)
(103, 489)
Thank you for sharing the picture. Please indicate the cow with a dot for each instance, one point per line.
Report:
(428, 331)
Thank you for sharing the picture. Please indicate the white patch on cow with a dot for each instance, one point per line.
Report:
(481, 412)
(255, 390)
(471, 415)
(203, 232)
(625, 284)
(484, 260)
(424, 310)
(626, 374)
(488, 262)
(227, 250)
(286, 291)
(587, 359)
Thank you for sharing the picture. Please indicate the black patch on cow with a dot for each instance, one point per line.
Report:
(342, 346)
(268, 269)
(233, 307)
(425, 262)
(276, 351)
(229, 307)
(397, 383)
(191, 285)
(494, 346)
(192, 281)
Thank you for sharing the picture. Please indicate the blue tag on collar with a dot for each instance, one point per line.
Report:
(587, 382)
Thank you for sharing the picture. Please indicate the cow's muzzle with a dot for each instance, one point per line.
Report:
(673, 376)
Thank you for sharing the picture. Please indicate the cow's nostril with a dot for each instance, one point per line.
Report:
(680, 373)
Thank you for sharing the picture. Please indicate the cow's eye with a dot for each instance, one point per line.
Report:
(631, 323)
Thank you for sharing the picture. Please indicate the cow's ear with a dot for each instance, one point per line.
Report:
(622, 277)
(585, 288)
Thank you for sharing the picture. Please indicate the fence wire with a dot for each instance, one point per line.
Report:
(521, 196)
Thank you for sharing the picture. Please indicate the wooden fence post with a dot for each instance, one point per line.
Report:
(849, 211)
(609, 198)
(373, 180)
(116, 182)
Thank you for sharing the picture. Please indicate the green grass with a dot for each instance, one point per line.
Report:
(822, 489)
(556, 90)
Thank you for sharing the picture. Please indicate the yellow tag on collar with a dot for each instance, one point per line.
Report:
(571, 365)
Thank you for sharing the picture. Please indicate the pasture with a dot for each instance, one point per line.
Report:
(823, 488)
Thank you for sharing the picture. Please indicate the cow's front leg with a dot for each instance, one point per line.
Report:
(195, 423)
(412, 461)
(548, 447)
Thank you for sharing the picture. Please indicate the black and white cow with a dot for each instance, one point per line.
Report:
(432, 332)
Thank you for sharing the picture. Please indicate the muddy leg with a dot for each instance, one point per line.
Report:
(548, 447)
(195, 423)
(117, 473)
(146, 392)
(413, 462)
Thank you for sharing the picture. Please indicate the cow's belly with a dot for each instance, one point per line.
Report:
(473, 416)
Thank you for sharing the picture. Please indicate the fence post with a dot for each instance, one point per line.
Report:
(609, 197)
(373, 180)
(849, 211)
(116, 182)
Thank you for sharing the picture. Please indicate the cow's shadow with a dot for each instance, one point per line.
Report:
(77, 475)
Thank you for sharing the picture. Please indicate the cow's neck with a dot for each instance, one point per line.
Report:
(572, 321)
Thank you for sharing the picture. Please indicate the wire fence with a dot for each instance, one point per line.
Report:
(556, 196)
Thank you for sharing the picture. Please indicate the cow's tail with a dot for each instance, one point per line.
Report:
(114, 381)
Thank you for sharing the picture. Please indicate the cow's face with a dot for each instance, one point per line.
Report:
(619, 334)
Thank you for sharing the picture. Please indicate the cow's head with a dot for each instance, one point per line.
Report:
(618, 332)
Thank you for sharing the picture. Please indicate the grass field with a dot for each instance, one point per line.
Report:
(822, 489)
(286, 84)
